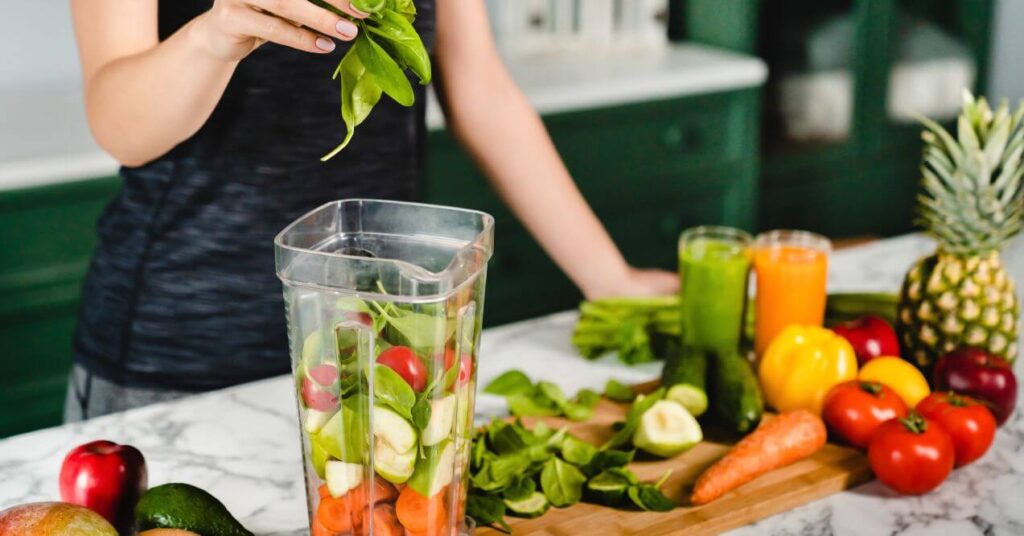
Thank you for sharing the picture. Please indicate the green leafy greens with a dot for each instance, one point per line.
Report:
(515, 471)
(386, 46)
(545, 399)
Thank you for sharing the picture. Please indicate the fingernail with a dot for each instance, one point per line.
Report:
(324, 44)
(346, 28)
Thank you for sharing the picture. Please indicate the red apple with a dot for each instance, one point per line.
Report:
(320, 387)
(871, 336)
(107, 478)
(53, 519)
(979, 374)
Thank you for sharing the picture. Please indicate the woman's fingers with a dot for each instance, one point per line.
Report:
(346, 6)
(305, 13)
(270, 28)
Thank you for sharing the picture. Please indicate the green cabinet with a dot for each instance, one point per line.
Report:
(48, 235)
(865, 183)
(649, 170)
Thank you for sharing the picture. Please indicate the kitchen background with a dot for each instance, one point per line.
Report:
(755, 113)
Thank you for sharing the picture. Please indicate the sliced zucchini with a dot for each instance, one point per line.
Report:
(667, 429)
(534, 505)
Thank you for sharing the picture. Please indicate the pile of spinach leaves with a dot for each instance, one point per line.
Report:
(545, 399)
(515, 471)
(387, 45)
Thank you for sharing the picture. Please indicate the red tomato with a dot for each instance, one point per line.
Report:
(913, 455)
(970, 424)
(855, 409)
(407, 364)
(465, 366)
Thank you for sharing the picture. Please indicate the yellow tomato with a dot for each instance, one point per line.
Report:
(899, 375)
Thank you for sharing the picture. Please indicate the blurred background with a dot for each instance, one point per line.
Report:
(669, 113)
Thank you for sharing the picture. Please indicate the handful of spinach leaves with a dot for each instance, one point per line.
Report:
(387, 45)
(519, 472)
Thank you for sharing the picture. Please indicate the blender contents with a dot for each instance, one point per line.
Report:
(714, 263)
(384, 304)
(792, 269)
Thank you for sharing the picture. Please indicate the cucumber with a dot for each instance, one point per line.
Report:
(667, 429)
(434, 470)
(843, 306)
(609, 486)
(737, 395)
(534, 505)
(684, 375)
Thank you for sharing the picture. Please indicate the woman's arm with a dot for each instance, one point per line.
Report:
(504, 134)
(144, 96)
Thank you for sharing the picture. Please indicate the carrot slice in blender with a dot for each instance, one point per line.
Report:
(422, 515)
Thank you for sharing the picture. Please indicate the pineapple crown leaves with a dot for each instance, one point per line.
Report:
(972, 200)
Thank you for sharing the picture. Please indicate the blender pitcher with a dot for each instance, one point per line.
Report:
(384, 303)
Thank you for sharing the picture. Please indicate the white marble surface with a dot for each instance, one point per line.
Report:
(45, 139)
(242, 443)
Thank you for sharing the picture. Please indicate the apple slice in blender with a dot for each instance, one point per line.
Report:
(394, 445)
(342, 476)
(463, 416)
(345, 433)
(315, 420)
(434, 470)
(442, 415)
(320, 387)
(318, 457)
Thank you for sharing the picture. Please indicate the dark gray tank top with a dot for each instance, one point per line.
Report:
(181, 293)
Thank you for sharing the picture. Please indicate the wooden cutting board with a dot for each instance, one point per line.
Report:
(829, 471)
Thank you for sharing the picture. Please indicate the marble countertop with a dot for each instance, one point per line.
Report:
(45, 139)
(242, 444)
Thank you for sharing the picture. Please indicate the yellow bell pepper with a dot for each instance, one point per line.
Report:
(800, 366)
(898, 375)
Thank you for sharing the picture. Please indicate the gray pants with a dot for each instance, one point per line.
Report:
(92, 396)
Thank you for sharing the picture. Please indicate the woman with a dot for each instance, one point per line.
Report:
(219, 112)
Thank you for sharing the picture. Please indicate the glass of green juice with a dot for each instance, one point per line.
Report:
(714, 263)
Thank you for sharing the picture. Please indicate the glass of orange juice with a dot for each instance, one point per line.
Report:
(791, 268)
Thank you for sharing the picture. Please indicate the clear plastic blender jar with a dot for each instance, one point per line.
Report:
(384, 304)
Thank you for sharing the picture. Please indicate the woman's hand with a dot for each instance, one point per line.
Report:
(231, 29)
(636, 282)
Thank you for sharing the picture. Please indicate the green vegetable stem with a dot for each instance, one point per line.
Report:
(387, 45)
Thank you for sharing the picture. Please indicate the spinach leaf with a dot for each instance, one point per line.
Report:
(391, 390)
(562, 482)
(487, 510)
(619, 392)
(527, 406)
(582, 407)
(420, 413)
(511, 438)
(521, 488)
(608, 487)
(400, 39)
(420, 330)
(625, 434)
(404, 8)
(384, 70)
(552, 391)
(359, 94)
(608, 459)
(577, 451)
(513, 382)
(648, 497)
(369, 6)
(498, 472)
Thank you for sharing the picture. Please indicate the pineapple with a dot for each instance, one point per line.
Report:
(971, 205)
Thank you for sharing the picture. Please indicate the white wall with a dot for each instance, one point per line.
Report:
(37, 45)
(1006, 78)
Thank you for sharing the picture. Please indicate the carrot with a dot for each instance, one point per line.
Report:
(787, 438)
(422, 515)
(320, 530)
(383, 490)
(385, 523)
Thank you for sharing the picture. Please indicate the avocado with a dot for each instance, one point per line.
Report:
(667, 429)
(186, 507)
(434, 470)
